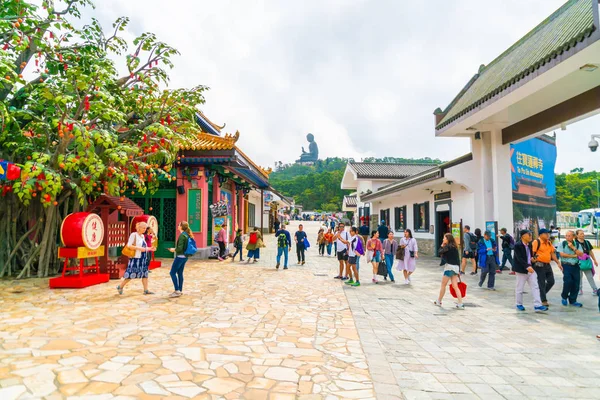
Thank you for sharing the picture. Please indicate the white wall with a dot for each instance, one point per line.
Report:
(255, 198)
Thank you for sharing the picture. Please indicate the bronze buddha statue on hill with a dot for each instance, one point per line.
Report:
(312, 154)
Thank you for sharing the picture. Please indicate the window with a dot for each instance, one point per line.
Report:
(400, 219)
(421, 217)
(251, 215)
(384, 215)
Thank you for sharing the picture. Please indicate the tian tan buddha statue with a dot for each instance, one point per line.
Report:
(313, 150)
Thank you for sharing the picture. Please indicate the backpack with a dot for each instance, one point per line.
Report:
(511, 241)
(282, 240)
(359, 247)
(253, 238)
(473, 241)
(237, 242)
(190, 248)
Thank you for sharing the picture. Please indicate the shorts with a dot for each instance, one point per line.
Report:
(450, 274)
(471, 254)
(451, 270)
(342, 256)
(352, 260)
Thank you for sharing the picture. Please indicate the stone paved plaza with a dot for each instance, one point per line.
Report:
(252, 332)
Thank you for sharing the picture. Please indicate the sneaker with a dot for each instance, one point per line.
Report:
(385, 278)
(277, 266)
(521, 308)
(174, 294)
(473, 273)
(406, 282)
(492, 288)
(255, 260)
(541, 309)
(577, 304)
(349, 282)
(460, 306)
(373, 280)
(462, 273)
(337, 277)
(564, 302)
(512, 273)
(355, 284)
(498, 271)
(546, 304)
(285, 267)
(480, 284)
(345, 278)
(393, 281)
(120, 289)
(437, 303)
(303, 262)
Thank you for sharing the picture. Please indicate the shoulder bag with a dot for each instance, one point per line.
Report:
(128, 250)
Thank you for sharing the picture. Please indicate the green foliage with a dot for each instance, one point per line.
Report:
(576, 190)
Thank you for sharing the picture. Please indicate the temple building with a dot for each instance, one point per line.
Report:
(216, 182)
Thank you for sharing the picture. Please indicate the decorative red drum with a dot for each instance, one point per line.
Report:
(148, 219)
(82, 229)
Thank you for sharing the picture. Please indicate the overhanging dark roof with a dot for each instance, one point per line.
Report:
(569, 27)
(366, 170)
(429, 175)
(350, 201)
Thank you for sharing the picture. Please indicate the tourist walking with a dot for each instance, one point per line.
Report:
(321, 242)
(276, 225)
(587, 262)
(238, 244)
(383, 231)
(149, 238)
(470, 250)
(408, 254)
(328, 241)
(342, 239)
(488, 260)
(284, 242)
(253, 246)
(299, 237)
(222, 241)
(185, 233)
(508, 244)
(570, 251)
(363, 231)
(449, 252)
(544, 252)
(522, 267)
(353, 256)
(374, 253)
(390, 246)
(137, 268)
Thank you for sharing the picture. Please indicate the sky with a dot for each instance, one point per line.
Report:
(363, 76)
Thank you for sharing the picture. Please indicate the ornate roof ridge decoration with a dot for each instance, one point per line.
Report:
(207, 141)
(217, 127)
(568, 27)
(264, 172)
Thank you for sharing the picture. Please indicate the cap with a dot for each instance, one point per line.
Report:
(542, 231)
(524, 232)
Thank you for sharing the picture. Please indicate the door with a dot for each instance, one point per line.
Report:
(163, 206)
(384, 215)
(443, 223)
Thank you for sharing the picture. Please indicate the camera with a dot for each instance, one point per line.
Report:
(593, 145)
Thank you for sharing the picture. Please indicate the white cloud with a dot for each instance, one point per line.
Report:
(364, 77)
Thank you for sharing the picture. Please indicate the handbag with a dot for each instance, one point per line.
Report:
(585, 265)
(400, 253)
(128, 251)
(382, 269)
(461, 286)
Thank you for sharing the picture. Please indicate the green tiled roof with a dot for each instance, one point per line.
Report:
(567, 26)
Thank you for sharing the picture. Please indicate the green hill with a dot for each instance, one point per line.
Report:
(317, 187)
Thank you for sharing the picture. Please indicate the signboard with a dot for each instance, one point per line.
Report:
(533, 184)
(492, 226)
(93, 231)
(80, 252)
(268, 198)
(456, 232)
(442, 196)
(222, 213)
(195, 209)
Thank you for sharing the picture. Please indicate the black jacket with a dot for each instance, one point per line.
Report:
(520, 263)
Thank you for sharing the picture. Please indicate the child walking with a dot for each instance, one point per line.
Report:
(321, 242)
(238, 243)
(449, 253)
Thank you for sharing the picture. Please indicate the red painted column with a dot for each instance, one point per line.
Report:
(241, 208)
(234, 207)
(203, 185)
(181, 211)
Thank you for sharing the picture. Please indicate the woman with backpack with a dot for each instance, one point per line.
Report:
(137, 268)
(408, 254)
(585, 263)
(238, 243)
(253, 246)
(185, 234)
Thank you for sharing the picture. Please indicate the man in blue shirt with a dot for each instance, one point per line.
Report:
(488, 259)
(299, 237)
(570, 251)
(284, 242)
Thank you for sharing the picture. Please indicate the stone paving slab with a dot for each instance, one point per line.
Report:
(239, 332)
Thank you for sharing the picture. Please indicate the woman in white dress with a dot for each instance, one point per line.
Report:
(408, 264)
(137, 268)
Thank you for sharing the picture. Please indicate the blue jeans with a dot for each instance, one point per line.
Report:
(177, 272)
(389, 263)
(329, 249)
(571, 281)
(507, 256)
(284, 251)
(238, 250)
(357, 263)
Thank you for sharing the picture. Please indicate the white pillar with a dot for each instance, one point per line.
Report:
(482, 180)
(502, 182)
